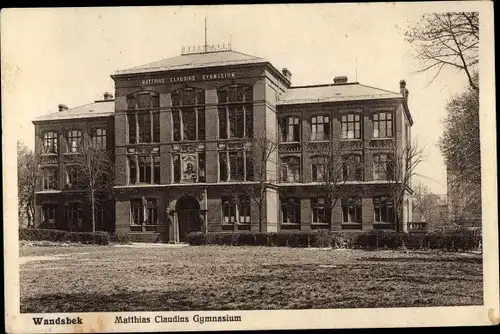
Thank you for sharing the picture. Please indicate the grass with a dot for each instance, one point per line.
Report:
(111, 279)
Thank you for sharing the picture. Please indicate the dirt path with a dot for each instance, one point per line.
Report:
(26, 259)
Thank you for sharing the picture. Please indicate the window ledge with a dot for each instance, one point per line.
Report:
(287, 224)
(319, 141)
(351, 140)
(290, 142)
(382, 138)
(320, 224)
(49, 154)
(350, 223)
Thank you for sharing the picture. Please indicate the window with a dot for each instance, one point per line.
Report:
(235, 166)
(188, 167)
(132, 169)
(157, 169)
(244, 210)
(290, 169)
(143, 100)
(49, 213)
(290, 129)
(228, 210)
(290, 211)
(144, 122)
(235, 112)
(236, 210)
(136, 212)
(320, 128)
(74, 139)
(74, 216)
(99, 138)
(352, 168)
(177, 167)
(319, 169)
(50, 142)
(144, 211)
(144, 169)
(188, 114)
(384, 211)
(319, 211)
(50, 178)
(72, 177)
(351, 211)
(99, 214)
(382, 125)
(351, 126)
(151, 211)
(382, 167)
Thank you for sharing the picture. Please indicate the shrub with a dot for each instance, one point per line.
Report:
(196, 238)
(96, 238)
(376, 239)
(120, 238)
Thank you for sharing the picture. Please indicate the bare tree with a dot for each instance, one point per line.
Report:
(460, 145)
(262, 155)
(447, 39)
(95, 168)
(334, 165)
(400, 170)
(28, 174)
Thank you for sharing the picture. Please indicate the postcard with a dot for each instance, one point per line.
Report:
(234, 167)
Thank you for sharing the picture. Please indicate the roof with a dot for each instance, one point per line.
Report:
(333, 93)
(196, 60)
(97, 109)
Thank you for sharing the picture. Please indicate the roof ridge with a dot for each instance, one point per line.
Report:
(385, 90)
(327, 85)
(246, 54)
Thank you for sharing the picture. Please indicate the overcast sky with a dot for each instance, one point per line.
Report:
(53, 56)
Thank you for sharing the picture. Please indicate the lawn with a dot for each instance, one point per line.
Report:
(110, 279)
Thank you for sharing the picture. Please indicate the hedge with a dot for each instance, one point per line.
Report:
(37, 234)
(463, 241)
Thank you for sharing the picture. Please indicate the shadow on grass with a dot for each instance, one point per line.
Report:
(460, 259)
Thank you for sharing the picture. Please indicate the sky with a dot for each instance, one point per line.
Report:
(53, 56)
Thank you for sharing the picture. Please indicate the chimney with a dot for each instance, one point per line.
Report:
(62, 107)
(340, 80)
(108, 96)
(287, 74)
(402, 88)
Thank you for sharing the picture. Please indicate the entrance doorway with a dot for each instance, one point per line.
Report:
(188, 215)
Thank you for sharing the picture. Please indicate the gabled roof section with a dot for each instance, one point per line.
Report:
(101, 108)
(334, 93)
(196, 60)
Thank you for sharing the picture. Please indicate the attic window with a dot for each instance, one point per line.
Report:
(90, 110)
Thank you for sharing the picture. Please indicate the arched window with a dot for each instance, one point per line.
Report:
(382, 167)
(319, 168)
(235, 104)
(290, 169)
(188, 114)
(352, 168)
(143, 117)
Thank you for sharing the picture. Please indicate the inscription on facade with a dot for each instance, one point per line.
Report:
(189, 78)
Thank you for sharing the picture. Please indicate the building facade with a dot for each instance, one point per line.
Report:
(185, 136)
